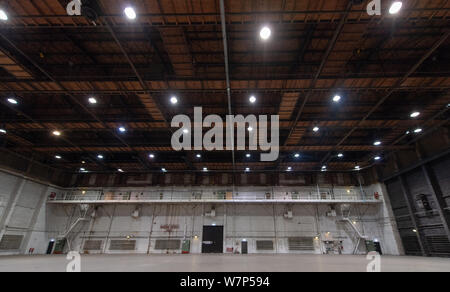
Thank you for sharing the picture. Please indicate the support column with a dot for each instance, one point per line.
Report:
(412, 213)
(34, 219)
(438, 196)
(9, 210)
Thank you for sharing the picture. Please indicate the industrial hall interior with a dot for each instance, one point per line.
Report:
(225, 135)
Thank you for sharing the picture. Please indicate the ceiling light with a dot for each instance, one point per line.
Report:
(57, 133)
(82, 169)
(377, 158)
(324, 167)
(250, 129)
(164, 170)
(289, 168)
(2, 131)
(83, 162)
(3, 15)
(395, 7)
(337, 98)
(247, 169)
(408, 132)
(152, 156)
(173, 100)
(415, 114)
(297, 155)
(130, 13)
(340, 155)
(92, 100)
(13, 101)
(58, 157)
(357, 167)
(377, 143)
(186, 131)
(199, 156)
(120, 170)
(100, 156)
(205, 169)
(252, 99)
(122, 129)
(417, 131)
(316, 129)
(265, 33)
(248, 155)
(414, 230)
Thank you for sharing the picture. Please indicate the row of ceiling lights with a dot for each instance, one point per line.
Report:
(252, 99)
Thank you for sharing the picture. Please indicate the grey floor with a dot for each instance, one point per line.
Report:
(221, 263)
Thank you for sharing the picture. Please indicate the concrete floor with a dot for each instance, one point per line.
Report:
(221, 263)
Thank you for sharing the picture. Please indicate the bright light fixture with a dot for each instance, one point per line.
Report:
(316, 129)
(337, 98)
(297, 155)
(57, 133)
(120, 170)
(289, 168)
(2, 131)
(377, 158)
(58, 157)
(248, 155)
(199, 156)
(130, 13)
(415, 114)
(357, 167)
(152, 156)
(100, 156)
(417, 131)
(186, 131)
(252, 99)
(265, 33)
(340, 155)
(174, 100)
(377, 143)
(247, 169)
(122, 129)
(13, 101)
(395, 7)
(250, 129)
(205, 169)
(92, 100)
(3, 15)
(164, 170)
(82, 169)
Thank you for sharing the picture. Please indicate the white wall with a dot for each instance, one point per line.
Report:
(29, 214)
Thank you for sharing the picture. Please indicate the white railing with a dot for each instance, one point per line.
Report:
(201, 196)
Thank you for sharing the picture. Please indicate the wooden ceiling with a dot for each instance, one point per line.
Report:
(384, 67)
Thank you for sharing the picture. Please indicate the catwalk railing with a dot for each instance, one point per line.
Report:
(177, 196)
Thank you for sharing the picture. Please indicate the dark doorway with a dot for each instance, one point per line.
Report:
(244, 245)
(51, 244)
(378, 248)
(212, 239)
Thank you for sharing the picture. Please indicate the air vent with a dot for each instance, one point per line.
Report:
(167, 244)
(264, 245)
(11, 242)
(301, 244)
(93, 245)
(122, 245)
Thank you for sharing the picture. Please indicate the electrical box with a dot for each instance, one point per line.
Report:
(186, 247)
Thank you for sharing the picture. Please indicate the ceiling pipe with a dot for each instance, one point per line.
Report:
(228, 82)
